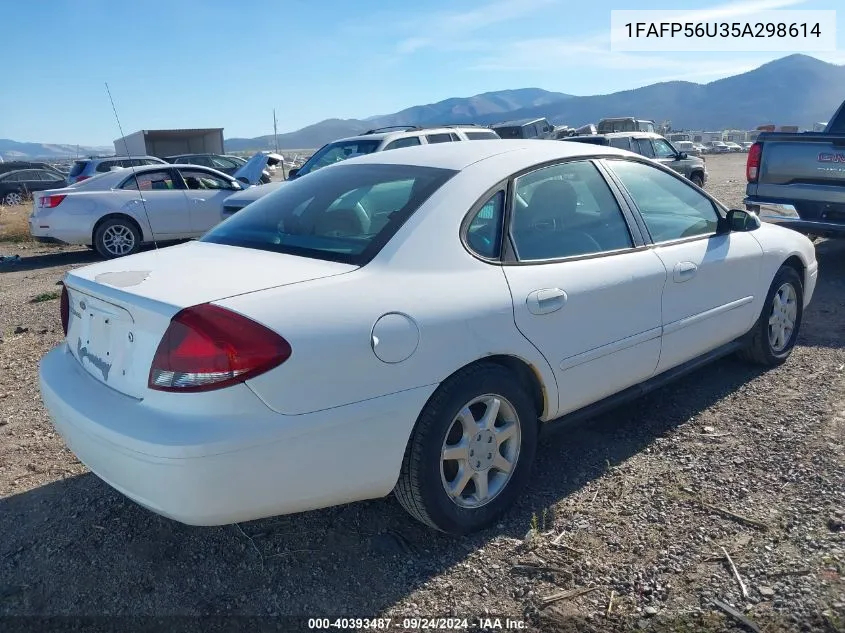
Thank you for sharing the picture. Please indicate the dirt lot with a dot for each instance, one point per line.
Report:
(635, 506)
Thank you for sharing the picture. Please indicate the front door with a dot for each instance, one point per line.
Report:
(581, 293)
(711, 279)
(205, 193)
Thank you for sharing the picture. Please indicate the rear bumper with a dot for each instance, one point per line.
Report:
(46, 231)
(786, 215)
(240, 464)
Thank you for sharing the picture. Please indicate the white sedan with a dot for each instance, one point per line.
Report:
(408, 321)
(117, 212)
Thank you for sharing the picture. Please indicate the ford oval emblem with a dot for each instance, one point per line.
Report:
(82, 305)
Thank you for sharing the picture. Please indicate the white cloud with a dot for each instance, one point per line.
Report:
(451, 29)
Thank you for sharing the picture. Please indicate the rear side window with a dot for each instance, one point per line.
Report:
(346, 214)
(509, 132)
(78, 168)
(408, 141)
(621, 142)
(106, 165)
(644, 147)
(439, 138)
(484, 233)
(150, 181)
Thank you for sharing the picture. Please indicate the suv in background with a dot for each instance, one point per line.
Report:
(86, 168)
(227, 164)
(524, 129)
(387, 138)
(624, 124)
(652, 146)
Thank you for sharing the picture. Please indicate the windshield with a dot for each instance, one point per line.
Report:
(346, 214)
(336, 152)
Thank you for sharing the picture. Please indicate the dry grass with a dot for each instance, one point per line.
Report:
(14, 223)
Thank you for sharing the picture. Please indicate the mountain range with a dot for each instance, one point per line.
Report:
(794, 90)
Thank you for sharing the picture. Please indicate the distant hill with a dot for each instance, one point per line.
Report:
(794, 90)
(454, 110)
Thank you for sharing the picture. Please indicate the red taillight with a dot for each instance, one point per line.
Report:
(64, 309)
(50, 202)
(208, 347)
(752, 165)
(81, 178)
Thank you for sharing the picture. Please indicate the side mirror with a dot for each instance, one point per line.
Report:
(293, 173)
(737, 220)
(682, 155)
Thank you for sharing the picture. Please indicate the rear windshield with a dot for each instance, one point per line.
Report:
(336, 152)
(481, 136)
(78, 168)
(344, 214)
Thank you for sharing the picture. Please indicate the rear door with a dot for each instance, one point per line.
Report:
(712, 279)
(583, 292)
(158, 197)
(205, 193)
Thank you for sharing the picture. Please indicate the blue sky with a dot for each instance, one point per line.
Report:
(217, 63)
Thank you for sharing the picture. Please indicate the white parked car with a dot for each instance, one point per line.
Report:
(409, 321)
(118, 211)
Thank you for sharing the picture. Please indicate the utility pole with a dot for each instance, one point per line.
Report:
(275, 132)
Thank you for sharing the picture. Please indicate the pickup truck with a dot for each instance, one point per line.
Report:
(797, 180)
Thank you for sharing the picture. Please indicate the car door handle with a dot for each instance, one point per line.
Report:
(138, 200)
(684, 271)
(546, 300)
(198, 200)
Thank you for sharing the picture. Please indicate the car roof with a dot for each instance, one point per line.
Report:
(517, 122)
(378, 136)
(104, 158)
(458, 156)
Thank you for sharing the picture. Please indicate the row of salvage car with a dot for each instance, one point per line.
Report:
(118, 211)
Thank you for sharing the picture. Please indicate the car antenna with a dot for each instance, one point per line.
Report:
(132, 167)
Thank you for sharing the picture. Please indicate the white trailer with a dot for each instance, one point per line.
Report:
(163, 143)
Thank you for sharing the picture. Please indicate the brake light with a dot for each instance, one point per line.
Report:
(51, 202)
(207, 347)
(752, 165)
(64, 309)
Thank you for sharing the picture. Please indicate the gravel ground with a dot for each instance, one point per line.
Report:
(634, 508)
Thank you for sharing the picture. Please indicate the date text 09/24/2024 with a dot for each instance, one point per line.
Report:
(416, 624)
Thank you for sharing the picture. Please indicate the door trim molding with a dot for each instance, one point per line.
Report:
(680, 324)
(611, 348)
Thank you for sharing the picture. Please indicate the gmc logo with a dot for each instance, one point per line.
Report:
(825, 157)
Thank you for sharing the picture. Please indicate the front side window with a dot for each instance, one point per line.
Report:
(408, 141)
(337, 152)
(671, 208)
(150, 181)
(484, 233)
(195, 179)
(662, 149)
(566, 210)
(345, 214)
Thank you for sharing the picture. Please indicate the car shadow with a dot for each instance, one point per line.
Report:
(77, 546)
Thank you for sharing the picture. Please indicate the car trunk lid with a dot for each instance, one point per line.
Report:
(120, 309)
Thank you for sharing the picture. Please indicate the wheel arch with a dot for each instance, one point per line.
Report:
(115, 216)
(795, 262)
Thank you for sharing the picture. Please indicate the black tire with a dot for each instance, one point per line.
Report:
(106, 247)
(759, 349)
(420, 488)
(697, 179)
